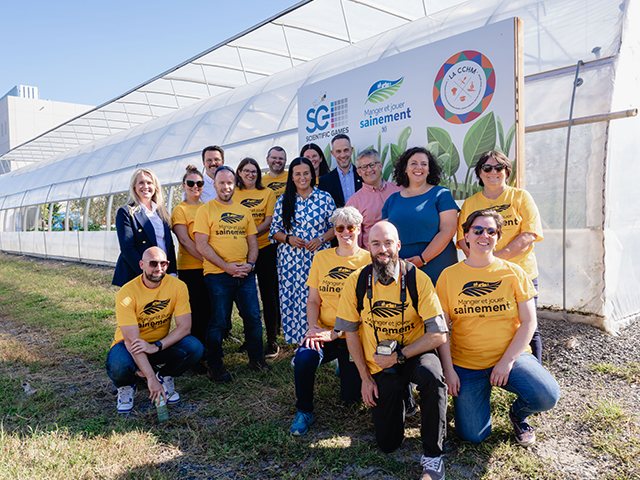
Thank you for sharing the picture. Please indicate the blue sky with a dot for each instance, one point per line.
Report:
(90, 52)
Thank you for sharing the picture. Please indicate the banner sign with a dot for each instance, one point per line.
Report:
(457, 97)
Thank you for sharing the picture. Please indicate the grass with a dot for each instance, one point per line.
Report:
(56, 325)
(629, 372)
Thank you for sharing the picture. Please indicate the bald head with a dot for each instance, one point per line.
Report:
(154, 253)
(384, 229)
(154, 266)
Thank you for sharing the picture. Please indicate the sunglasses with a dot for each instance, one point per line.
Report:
(192, 183)
(350, 228)
(155, 263)
(490, 231)
(487, 168)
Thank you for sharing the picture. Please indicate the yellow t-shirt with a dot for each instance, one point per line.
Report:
(328, 273)
(185, 214)
(276, 184)
(482, 304)
(520, 215)
(261, 203)
(386, 317)
(228, 227)
(150, 309)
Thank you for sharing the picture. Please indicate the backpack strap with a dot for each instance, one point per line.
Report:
(412, 284)
(361, 286)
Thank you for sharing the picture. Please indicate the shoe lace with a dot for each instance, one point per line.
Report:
(432, 463)
(302, 417)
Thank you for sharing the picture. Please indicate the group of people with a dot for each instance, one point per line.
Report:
(427, 322)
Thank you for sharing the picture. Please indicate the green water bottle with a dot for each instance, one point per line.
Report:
(161, 409)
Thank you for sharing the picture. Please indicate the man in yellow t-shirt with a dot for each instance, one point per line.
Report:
(276, 178)
(144, 308)
(386, 375)
(226, 238)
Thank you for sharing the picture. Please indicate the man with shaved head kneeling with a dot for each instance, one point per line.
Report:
(393, 324)
(143, 346)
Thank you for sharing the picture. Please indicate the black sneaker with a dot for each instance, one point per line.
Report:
(242, 348)
(259, 365)
(199, 368)
(219, 375)
(272, 350)
(525, 434)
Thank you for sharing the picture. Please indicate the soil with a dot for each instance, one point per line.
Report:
(565, 434)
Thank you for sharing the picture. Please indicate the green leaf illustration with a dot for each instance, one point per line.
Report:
(327, 155)
(500, 133)
(403, 138)
(384, 93)
(385, 151)
(509, 140)
(480, 138)
(435, 149)
(440, 135)
(380, 141)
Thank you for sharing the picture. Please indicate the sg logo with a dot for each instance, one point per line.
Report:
(318, 118)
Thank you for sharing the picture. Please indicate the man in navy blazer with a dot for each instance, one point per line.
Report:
(136, 234)
(343, 181)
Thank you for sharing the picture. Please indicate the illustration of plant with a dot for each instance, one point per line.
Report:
(480, 137)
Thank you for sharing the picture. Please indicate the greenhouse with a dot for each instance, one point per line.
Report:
(60, 199)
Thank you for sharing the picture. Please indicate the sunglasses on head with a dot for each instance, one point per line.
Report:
(490, 231)
(350, 228)
(487, 168)
(155, 263)
(191, 183)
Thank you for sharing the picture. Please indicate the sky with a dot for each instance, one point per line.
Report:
(88, 52)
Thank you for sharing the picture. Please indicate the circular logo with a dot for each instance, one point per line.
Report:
(464, 87)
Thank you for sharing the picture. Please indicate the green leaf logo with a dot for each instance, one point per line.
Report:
(383, 89)
(480, 138)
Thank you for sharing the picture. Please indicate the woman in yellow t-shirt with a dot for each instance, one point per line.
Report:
(522, 225)
(488, 303)
(189, 259)
(260, 200)
(321, 343)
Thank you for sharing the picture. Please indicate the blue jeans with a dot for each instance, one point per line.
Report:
(177, 359)
(536, 389)
(307, 362)
(223, 291)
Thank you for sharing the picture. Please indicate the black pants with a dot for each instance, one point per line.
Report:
(267, 274)
(199, 301)
(425, 371)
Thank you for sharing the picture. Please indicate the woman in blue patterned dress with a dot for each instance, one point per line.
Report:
(301, 227)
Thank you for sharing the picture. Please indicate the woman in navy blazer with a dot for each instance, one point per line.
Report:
(142, 223)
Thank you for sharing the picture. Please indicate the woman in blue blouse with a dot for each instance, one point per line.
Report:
(425, 214)
(301, 227)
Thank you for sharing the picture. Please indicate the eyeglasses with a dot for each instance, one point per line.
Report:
(249, 172)
(192, 183)
(490, 230)
(350, 228)
(368, 166)
(155, 263)
(487, 168)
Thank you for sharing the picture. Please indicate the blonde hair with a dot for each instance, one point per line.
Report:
(158, 198)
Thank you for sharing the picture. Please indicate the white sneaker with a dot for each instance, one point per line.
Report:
(432, 468)
(169, 388)
(125, 398)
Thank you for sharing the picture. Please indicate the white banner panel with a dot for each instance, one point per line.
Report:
(457, 97)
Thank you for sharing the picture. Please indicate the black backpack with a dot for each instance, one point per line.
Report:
(409, 271)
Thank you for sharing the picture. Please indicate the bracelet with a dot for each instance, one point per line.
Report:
(422, 259)
(321, 239)
(286, 240)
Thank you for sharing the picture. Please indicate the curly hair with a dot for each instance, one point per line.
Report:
(400, 175)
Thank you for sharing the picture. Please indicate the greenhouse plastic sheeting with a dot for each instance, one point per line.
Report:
(602, 213)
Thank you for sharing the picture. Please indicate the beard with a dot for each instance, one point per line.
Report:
(154, 278)
(386, 270)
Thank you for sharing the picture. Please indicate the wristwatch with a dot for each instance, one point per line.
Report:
(338, 332)
(159, 345)
(253, 266)
(401, 358)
